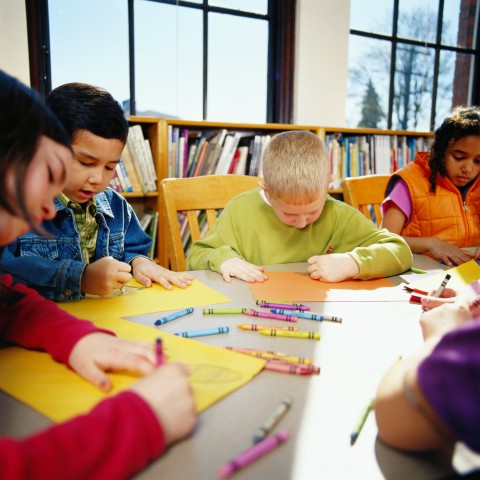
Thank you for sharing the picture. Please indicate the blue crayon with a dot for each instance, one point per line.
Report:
(201, 333)
(173, 316)
(308, 315)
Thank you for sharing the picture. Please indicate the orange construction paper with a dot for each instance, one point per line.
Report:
(299, 287)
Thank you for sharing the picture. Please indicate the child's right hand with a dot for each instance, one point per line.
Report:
(448, 253)
(241, 269)
(168, 392)
(104, 276)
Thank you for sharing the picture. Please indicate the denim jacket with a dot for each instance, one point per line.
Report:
(54, 266)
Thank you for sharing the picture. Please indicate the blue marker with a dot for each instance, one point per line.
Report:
(173, 316)
(308, 315)
(201, 333)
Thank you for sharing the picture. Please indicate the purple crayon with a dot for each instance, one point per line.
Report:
(251, 454)
(273, 316)
(284, 306)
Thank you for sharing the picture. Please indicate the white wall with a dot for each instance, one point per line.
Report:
(321, 62)
(14, 40)
(321, 57)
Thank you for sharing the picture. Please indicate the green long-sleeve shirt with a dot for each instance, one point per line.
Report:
(248, 228)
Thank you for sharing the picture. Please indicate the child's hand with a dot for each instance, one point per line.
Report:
(448, 253)
(335, 267)
(168, 392)
(241, 269)
(97, 353)
(146, 272)
(445, 317)
(104, 276)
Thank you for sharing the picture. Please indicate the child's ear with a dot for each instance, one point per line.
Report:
(262, 185)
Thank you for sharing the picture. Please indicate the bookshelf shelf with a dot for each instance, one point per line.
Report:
(160, 133)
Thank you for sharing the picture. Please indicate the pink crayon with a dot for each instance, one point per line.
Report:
(284, 306)
(251, 454)
(293, 368)
(272, 316)
(159, 351)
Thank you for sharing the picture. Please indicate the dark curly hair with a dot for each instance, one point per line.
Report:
(462, 122)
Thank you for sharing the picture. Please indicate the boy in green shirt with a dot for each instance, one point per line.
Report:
(291, 218)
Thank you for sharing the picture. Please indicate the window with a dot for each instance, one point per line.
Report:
(197, 60)
(410, 62)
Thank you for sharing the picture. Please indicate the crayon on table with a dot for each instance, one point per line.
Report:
(283, 333)
(268, 355)
(417, 270)
(474, 303)
(361, 422)
(283, 366)
(256, 328)
(223, 311)
(173, 316)
(202, 332)
(310, 316)
(272, 420)
(442, 286)
(271, 316)
(159, 351)
(284, 306)
(251, 454)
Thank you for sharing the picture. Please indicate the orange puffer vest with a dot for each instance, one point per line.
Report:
(442, 214)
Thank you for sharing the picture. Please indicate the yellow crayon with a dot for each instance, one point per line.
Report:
(253, 326)
(283, 333)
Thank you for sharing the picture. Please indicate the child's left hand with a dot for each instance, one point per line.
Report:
(335, 267)
(146, 272)
(99, 352)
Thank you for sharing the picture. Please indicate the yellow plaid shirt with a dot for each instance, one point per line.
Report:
(86, 224)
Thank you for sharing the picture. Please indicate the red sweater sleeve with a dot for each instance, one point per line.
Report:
(119, 437)
(34, 322)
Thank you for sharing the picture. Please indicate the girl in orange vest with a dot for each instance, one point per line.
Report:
(434, 202)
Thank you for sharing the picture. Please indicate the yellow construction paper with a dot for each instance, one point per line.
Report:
(57, 392)
(147, 300)
(461, 276)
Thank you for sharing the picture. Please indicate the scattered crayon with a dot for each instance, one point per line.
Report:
(361, 422)
(282, 333)
(284, 306)
(311, 316)
(268, 355)
(251, 454)
(223, 311)
(255, 327)
(202, 332)
(272, 420)
(173, 316)
(272, 316)
(294, 368)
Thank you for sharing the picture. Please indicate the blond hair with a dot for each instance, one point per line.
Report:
(296, 167)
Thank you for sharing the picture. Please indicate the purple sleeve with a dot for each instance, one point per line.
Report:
(450, 380)
(400, 197)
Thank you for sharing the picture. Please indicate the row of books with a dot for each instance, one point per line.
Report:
(136, 170)
(215, 152)
(149, 222)
(357, 155)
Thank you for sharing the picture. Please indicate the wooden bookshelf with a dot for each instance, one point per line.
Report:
(158, 131)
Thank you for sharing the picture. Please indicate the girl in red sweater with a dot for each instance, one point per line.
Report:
(124, 432)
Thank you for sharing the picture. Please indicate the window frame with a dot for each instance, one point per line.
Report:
(281, 48)
(437, 46)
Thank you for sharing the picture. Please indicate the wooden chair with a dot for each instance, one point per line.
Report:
(191, 195)
(366, 194)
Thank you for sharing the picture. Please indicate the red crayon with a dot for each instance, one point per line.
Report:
(293, 368)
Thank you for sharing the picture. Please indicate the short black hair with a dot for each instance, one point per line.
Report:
(80, 106)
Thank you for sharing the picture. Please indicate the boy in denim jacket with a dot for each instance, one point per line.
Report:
(95, 242)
